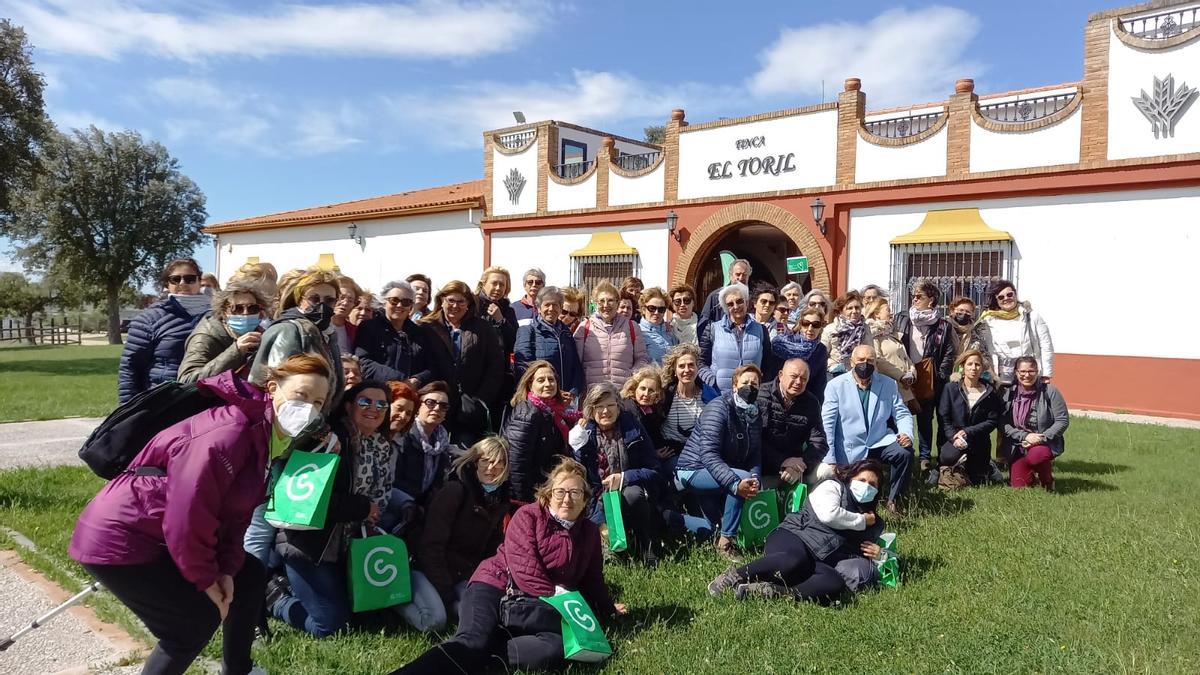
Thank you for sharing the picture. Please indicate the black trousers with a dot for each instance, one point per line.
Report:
(979, 457)
(482, 636)
(787, 560)
(183, 618)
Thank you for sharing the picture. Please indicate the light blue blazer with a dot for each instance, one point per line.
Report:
(849, 434)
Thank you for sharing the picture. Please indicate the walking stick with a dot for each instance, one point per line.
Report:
(37, 623)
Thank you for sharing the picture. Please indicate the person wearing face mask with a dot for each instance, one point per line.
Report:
(804, 342)
(209, 284)
(1014, 330)
(846, 330)
(968, 333)
(610, 346)
(227, 338)
(389, 345)
(792, 438)
(165, 536)
(546, 338)
(930, 343)
(804, 556)
(722, 460)
(154, 346)
(734, 341)
(855, 417)
(537, 428)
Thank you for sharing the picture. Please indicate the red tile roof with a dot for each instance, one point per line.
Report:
(442, 198)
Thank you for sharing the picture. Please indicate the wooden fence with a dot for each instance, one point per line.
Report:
(38, 332)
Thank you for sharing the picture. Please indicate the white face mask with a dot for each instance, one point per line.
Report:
(863, 491)
(293, 416)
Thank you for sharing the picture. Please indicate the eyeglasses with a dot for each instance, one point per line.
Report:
(736, 302)
(656, 309)
(766, 302)
(245, 310)
(811, 324)
(534, 282)
(365, 402)
(1009, 295)
(569, 313)
(315, 299)
(919, 296)
(183, 278)
(687, 300)
(606, 301)
(403, 302)
(560, 493)
(453, 302)
(434, 404)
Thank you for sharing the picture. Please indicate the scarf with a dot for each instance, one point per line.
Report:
(1010, 315)
(1022, 404)
(879, 327)
(374, 468)
(434, 448)
(684, 329)
(846, 336)
(567, 524)
(799, 346)
(748, 412)
(563, 418)
(610, 452)
(924, 318)
(194, 305)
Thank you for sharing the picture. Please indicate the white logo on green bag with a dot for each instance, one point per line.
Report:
(758, 516)
(579, 616)
(299, 487)
(380, 572)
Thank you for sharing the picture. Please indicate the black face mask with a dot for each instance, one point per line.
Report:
(748, 393)
(962, 319)
(864, 371)
(320, 315)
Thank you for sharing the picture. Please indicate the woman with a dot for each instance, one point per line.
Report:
(871, 293)
(631, 291)
(1035, 421)
(734, 341)
(654, 324)
(763, 299)
(463, 525)
(838, 523)
(225, 339)
(422, 455)
(642, 397)
(1014, 330)
(404, 407)
(846, 331)
(573, 308)
(610, 347)
(968, 333)
(929, 341)
(178, 563)
(312, 595)
(816, 299)
(344, 329)
(469, 356)
(389, 345)
(722, 459)
(537, 429)
(422, 290)
(804, 342)
(793, 294)
(969, 411)
(548, 545)
(364, 310)
(154, 346)
(351, 370)
(545, 338)
(684, 397)
(625, 308)
(683, 314)
(891, 358)
(492, 305)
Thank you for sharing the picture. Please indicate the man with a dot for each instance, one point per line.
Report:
(739, 273)
(855, 418)
(526, 307)
(792, 437)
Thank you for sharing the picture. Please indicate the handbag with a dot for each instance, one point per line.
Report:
(923, 388)
(299, 499)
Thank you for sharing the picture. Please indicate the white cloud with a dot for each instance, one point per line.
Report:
(82, 119)
(422, 29)
(902, 57)
(321, 131)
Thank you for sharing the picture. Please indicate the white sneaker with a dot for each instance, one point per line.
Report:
(257, 670)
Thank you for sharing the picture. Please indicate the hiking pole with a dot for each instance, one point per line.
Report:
(37, 623)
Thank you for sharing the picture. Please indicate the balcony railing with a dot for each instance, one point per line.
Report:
(1025, 110)
(637, 162)
(517, 139)
(573, 169)
(903, 127)
(1164, 25)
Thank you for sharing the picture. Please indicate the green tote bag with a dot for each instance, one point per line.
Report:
(583, 638)
(617, 540)
(760, 515)
(300, 497)
(378, 572)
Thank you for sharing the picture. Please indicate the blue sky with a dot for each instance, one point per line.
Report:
(273, 106)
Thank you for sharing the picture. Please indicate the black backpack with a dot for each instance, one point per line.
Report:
(122, 435)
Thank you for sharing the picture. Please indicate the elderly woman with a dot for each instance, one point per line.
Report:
(537, 429)
(891, 358)
(226, 339)
(969, 411)
(684, 398)
(1035, 421)
(389, 345)
(548, 545)
(654, 325)
(177, 562)
(619, 455)
(404, 407)
(793, 295)
(722, 460)
(1014, 330)
(492, 305)
(422, 293)
(683, 314)
(631, 291)
(526, 307)
(351, 370)
(573, 308)
(815, 299)
(929, 340)
(734, 341)
(154, 346)
(844, 332)
(545, 338)
(871, 293)
(804, 342)
(610, 347)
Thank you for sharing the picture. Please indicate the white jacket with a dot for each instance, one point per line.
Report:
(1025, 335)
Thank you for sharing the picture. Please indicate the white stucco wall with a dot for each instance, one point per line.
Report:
(810, 137)
(1048, 146)
(526, 163)
(919, 160)
(1082, 258)
(1130, 71)
(442, 245)
(581, 195)
(642, 189)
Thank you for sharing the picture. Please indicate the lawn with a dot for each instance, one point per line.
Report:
(1098, 577)
(46, 383)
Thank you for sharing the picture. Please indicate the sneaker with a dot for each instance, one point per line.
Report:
(726, 548)
(725, 581)
(761, 589)
(278, 588)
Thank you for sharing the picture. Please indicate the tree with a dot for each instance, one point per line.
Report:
(109, 209)
(23, 298)
(23, 123)
(656, 134)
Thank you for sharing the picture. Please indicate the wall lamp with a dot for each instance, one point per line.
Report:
(672, 221)
(818, 214)
(353, 229)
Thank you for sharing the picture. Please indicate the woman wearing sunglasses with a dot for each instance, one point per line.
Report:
(155, 343)
(389, 345)
(654, 325)
(804, 342)
(422, 454)
(227, 338)
(1015, 330)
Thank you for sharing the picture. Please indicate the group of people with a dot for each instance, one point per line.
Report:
(485, 432)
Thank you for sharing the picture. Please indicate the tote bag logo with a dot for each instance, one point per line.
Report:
(580, 616)
(376, 569)
(299, 486)
(758, 515)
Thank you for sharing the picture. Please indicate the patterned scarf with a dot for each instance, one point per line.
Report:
(563, 418)
(846, 336)
(879, 327)
(434, 448)
(610, 452)
(374, 467)
(924, 318)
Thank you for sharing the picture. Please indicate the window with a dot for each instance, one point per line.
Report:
(587, 271)
(573, 152)
(957, 269)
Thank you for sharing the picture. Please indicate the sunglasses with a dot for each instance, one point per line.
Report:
(315, 299)
(683, 301)
(656, 309)
(365, 402)
(434, 404)
(811, 324)
(183, 278)
(569, 313)
(735, 303)
(1006, 296)
(245, 310)
(403, 302)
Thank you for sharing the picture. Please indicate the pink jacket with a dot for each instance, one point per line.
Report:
(216, 465)
(606, 351)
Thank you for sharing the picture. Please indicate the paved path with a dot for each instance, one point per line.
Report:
(43, 443)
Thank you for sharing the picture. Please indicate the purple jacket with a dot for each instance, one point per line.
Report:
(216, 475)
(540, 554)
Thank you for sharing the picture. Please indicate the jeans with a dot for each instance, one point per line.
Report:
(426, 612)
(899, 459)
(183, 618)
(787, 560)
(319, 604)
(1036, 460)
(702, 482)
(259, 540)
(392, 513)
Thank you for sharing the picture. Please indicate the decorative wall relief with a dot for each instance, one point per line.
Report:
(514, 182)
(1166, 105)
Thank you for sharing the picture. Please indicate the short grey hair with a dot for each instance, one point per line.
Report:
(744, 263)
(399, 283)
(549, 292)
(534, 272)
(824, 296)
(874, 287)
(791, 286)
(739, 289)
(597, 393)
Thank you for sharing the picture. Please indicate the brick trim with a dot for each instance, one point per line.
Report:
(958, 127)
(775, 114)
(1016, 127)
(852, 104)
(548, 134)
(671, 154)
(1093, 137)
(1152, 44)
(608, 152)
(549, 170)
(1133, 9)
(907, 140)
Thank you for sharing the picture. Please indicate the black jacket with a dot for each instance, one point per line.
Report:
(507, 329)
(410, 466)
(534, 445)
(823, 540)
(651, 421)
(389, 354)
(478, 373)
(790, 431)
(721, 442)
(939, 346)
(979, 422)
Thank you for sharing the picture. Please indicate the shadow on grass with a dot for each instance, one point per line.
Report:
(1093, 468)
(640, 618)
(107, 366)
(1069, 485)
(913, 567)
(935, 502)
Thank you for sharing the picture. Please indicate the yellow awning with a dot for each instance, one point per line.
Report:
(952, 225)
(605, 243)
(325, 262)
(252, 260)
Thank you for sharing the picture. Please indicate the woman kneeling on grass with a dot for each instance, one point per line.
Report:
(801, 558)
(548, 545)
(166, 536)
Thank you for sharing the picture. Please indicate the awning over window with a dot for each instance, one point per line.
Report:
(952, 225)
(605, 243)
(325, 262)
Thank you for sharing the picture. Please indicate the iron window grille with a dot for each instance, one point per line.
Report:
(588, 271)
(1026, 110)
(956, 268)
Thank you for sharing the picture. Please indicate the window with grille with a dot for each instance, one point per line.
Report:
(957, 269)
(589, 270)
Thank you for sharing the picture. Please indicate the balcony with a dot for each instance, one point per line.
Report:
(1164, 24)
(1026, 110)
(573, 170)
(902, 127)
(517, 139)
(638, 162)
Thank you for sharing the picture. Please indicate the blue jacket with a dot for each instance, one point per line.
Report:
(848, 431)
(153, 348)
(792, 345)
(659, 340)
(721, 353)
(539, 340)
(722, 442)
(641, 466)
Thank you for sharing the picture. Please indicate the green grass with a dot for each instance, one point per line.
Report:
(46, 383)
(1099, 577)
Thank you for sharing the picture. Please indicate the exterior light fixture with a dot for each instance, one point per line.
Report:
(818, 214)
(672, 220)
(519, 116)
(353, 229)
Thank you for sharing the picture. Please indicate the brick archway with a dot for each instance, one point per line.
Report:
(718, 224)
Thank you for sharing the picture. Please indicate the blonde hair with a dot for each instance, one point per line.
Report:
(672, 358)
(652, 293)
(574, 295)
(526, 381)
(306, 279)
(495, 269)
(631, 385)
(874, 307)
(605, 287)
(490, 448)
(566, 468)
